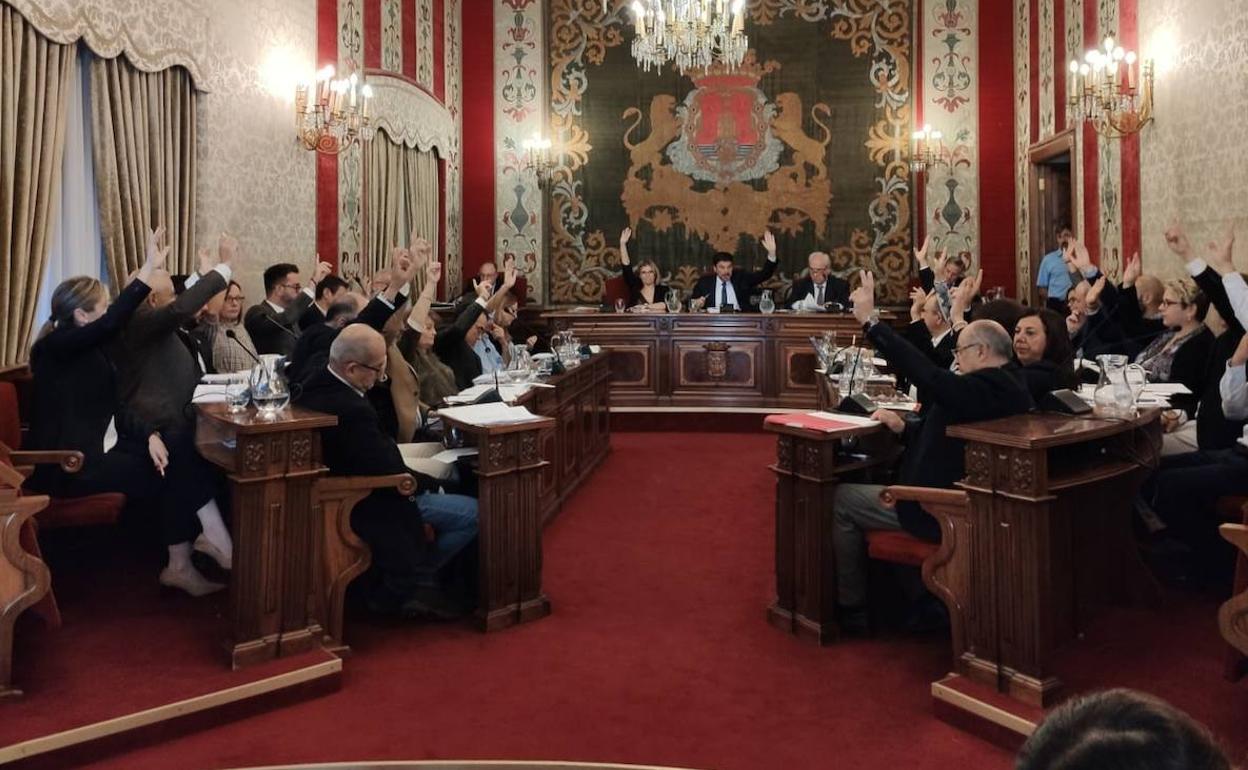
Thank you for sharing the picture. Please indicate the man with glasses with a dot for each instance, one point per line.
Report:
(393, 525)
(986, 386)
(274, 323)
(819, 287)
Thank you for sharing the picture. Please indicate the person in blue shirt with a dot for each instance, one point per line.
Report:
(1053, 277)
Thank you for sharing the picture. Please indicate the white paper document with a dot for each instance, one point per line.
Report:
(855, 419)
(225, 379)
(451, 455)
(209, 394)
(495, 413)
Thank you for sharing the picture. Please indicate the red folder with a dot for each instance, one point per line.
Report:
(810, 422)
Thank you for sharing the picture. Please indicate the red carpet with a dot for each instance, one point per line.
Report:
(658, 652)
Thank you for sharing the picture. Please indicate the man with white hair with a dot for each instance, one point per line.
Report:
(392, 524)
(818, 288)
(985, 387)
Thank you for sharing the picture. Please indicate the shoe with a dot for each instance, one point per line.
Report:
(189, 580)
(430, 603)
(209, 549)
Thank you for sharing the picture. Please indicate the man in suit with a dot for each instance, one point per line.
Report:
(818, 287)
(987, 386)
(456, 345)
(929, 329)
(273, 324)
(331, 289)
(727, 288)
(391, 524)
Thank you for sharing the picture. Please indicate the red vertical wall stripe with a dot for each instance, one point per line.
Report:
(1128, 33)
(372, 34)
(409, 38)
(997, 201)
(920, 180)
(478, 144)
(1061, 75)
(1091, 174)
(476, 18)
(327, 165)
(1033, 53)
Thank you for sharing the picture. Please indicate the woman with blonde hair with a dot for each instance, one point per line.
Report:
(76, 398)
(1181, 353)
(645, 291)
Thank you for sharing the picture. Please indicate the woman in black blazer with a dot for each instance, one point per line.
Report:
(76, 398)
(1181, 354)
(1045, 355)
(644, 290)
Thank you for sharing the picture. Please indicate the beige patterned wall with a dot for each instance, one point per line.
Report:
(1192, 160)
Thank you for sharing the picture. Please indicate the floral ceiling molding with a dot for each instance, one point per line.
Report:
(412, 117)
(153, 35)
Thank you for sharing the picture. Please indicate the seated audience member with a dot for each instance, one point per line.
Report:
(274, 323)
(644, 290)
(1181, 353)
(436, 379)
(929, 330)
(818, 288)
(222, 328)
(1120, 729)
(1187, 486)
(1139, 307)
(942, 273)
(1044, 354)
(729, 288)
(391, 524)
(1053, 275)
(77, 395)
(456, 344)
(1004, 312)
(489, 276)
(1093, 323)
(330, 289)
(986, 387)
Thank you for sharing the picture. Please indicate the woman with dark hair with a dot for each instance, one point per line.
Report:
(1042, 347)
(644, 290)
(1120, 730)
(76, 397)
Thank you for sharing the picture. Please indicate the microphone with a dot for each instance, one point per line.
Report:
(273, 321)
(234, 336)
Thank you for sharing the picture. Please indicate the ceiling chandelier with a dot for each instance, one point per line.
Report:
(331, 115)
(690, 34)
(1112, 90)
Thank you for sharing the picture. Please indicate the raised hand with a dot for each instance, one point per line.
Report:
(509, 273)
(920, 254)
(1220, 253)
(625, 235)
(938, 265)
(1080, 257)
(433, 274)
(403, 269)
(421, 252)
(1176, 239)
(1093, 298)
(483, 290)
(918, 298)
(321, 270)
(1131, 273)
(205, 259)
(1075, 321)
(769, 243)
(157, 250)
(863, 297)
(227, 249)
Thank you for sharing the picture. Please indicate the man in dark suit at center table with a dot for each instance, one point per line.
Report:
(818, 288)
(392, 524)
(987, 386)
(274, 323)
(730, 288)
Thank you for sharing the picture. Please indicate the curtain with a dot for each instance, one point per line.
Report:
(76, 247)
(401, 195)
(143, 126)
(34, 83)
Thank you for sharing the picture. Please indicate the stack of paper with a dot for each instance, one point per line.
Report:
(489, 414)
(209, 394)
(225, 379)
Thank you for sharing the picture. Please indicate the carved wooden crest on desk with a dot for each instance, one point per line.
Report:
(716, 360)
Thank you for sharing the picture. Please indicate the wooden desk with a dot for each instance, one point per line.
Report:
(271, 466)
(809, 464)
(744, 360)
(1050, 542)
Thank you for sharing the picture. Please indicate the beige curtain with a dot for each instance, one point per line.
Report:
(143, 134)
(401, 195)
(35, 75)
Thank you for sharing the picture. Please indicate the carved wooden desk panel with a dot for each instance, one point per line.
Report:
(1050, 522)
(703, 359)
(271, 467)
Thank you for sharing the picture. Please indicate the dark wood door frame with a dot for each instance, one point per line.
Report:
(1040, 154)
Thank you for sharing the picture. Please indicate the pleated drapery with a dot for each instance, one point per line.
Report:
(35, 76)
(401, 195)
(143, 128)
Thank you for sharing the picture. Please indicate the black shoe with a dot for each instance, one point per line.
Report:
(430, 604)
(853, 621)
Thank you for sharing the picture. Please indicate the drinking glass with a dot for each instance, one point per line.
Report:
(619, 305)
(237, 396)
(766, 304)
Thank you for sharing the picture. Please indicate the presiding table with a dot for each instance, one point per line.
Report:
(733, 360)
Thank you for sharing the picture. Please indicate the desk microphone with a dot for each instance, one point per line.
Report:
(234, 336)
(273, 321)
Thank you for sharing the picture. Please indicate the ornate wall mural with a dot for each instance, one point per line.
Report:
(808, 139)
(1073, 49)
(1109, 161)
(1022, 135)
(951, 105)
(519, 93)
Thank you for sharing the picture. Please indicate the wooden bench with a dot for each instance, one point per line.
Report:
(1233, 614)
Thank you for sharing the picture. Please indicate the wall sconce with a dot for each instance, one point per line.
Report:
(928, 150)
(539, 159)
(331, 115)
(1112, 90)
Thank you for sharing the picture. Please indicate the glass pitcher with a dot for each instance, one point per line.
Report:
(269, 391)
(1117, 387)
(766, 304)
(672, 300)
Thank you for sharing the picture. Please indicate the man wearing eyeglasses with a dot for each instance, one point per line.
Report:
(818, 288)
(985, 387)
(392, 524)
(274, 323)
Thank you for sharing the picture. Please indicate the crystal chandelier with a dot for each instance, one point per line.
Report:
(330, 115)
(929, 150)
(1112, 91)
(691, 34)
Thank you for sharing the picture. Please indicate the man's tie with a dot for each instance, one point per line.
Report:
(723, 294)
(819, 295)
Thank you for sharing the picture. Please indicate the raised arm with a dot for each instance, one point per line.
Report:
(769, 267)
(1231, 295)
